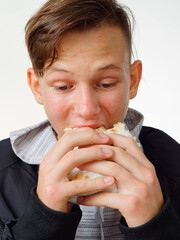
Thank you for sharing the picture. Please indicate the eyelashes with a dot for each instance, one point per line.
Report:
(69, 87)
(107, 85)
(63, 88)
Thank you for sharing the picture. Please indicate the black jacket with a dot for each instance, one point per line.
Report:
(24, 217)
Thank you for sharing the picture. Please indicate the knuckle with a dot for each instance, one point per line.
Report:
(43, 165)
(152, 168)
(98, 153)
(130, 140)
(51, 191)
(69, 156)
(68, 135)
(143, 190)
(79, 185)
(133, 204)
(68, 159)
(91, 134)
(98, 183)
(150, 176)
(112, 167)
(91, 185)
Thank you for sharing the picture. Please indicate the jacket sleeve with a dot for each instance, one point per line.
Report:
(166, 225)
(40, 222)
(164, 153)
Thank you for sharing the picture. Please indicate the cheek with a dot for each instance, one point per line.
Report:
(117, 100)
(116, 105)
(55, 106)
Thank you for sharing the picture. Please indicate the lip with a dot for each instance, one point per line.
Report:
(89, 125)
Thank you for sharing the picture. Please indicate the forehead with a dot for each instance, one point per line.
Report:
(104, 40)
(91, 50)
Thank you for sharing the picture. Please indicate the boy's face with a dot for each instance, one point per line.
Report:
(91, 82)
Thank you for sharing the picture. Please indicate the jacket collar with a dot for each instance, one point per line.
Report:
(31, 144)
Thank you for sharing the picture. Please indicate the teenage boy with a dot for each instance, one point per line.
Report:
(83, 75)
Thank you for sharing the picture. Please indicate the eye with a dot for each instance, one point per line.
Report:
(107, 85)
(63, 88)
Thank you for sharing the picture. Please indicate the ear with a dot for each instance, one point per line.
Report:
(34, 84)
(136, 73)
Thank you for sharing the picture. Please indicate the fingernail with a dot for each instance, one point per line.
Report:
(102, 135)
(108, 179)
(106, 150)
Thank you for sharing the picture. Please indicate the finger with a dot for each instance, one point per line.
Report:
(74, 138)
(77, 157)
(80, 187)
(135, 210)
(126, 181)
(129, 162)
(108, 168)
(123, 159)
(124, 203)
(129, 145)
(106, 199)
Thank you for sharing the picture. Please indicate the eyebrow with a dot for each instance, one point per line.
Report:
(56, 69)
(107, 67)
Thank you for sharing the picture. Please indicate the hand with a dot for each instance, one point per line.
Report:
(139, 197)
(53, 187)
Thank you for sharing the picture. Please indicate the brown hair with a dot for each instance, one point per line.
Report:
(56, 17)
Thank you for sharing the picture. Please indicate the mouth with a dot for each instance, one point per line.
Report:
(94, 126)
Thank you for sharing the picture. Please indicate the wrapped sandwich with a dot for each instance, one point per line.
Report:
(77, 174)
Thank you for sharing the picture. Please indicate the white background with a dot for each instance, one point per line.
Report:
(157, 40)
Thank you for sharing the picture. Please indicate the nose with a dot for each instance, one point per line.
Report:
(86, 103)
